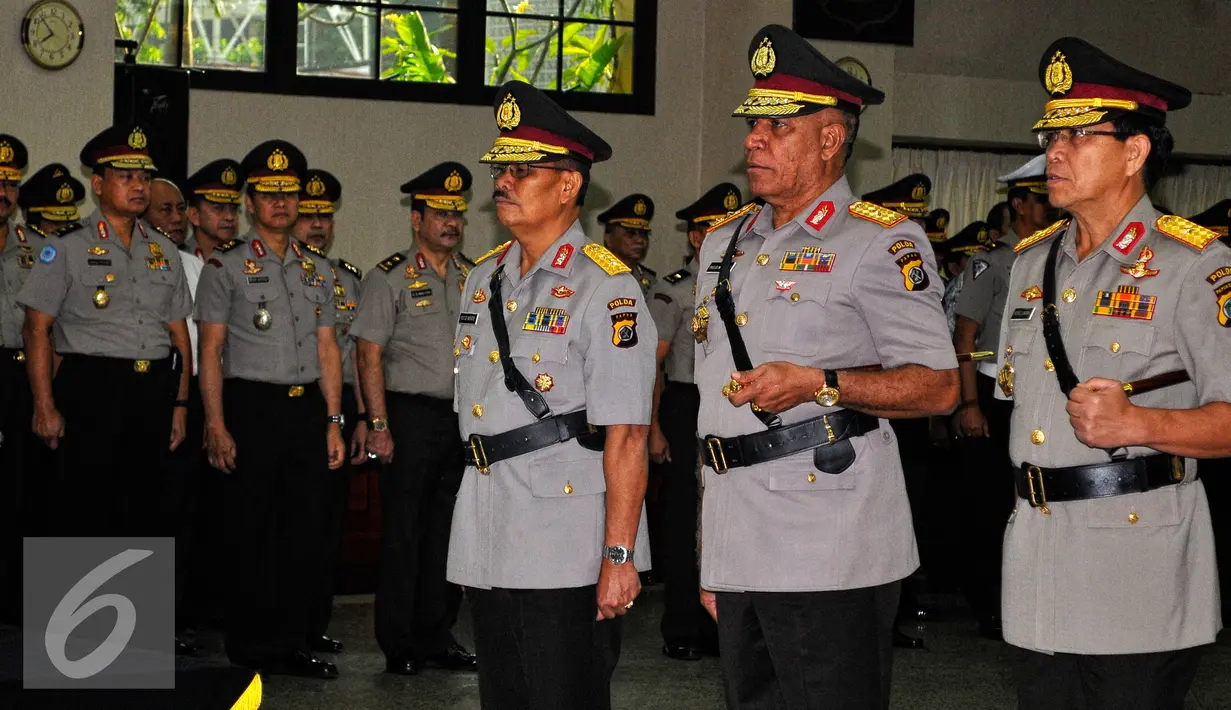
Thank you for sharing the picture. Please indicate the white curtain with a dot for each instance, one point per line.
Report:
(964, 182)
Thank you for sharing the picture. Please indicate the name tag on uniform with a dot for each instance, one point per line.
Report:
(98, 262)
(258, 279)
(468, 319)
(420, 293)
(1022, 313)
(714, 268)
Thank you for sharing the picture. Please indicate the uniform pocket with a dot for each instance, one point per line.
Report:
(568, 479)
(532, 349)
(810, 479)
(794, 319)
(1158, 508)
(1119, 351)
(416, 302)
(261, 292)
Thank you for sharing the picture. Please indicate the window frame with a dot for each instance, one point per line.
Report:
(280, 74)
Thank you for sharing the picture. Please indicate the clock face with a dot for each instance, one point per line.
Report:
(52, 34)
(855, 68)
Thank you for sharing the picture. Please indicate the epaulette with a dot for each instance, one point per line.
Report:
(1039, 236)
(224, 248)
(1182, 230)
(314, 250)
(876, 214)
(66, 229)
(994, 245)
(677, 276)
(492, 253)
(59, 232)
(391, 262)
(351, 268)
(750, 207)
(606, 261)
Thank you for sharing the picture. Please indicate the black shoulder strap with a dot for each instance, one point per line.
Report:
(513, 379)
(726, 309)
(1051, 323)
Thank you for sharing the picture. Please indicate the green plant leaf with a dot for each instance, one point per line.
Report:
(592, 70)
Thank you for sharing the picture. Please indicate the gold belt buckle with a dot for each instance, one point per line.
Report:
(479, 454)
(1038, 499)
(829, 429)
(718, 459)
(295, 391)
(142, 366)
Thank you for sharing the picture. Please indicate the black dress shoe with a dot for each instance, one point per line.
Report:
(456, 658)
(183, 647)
(401, 665)
(682, 652)
(304, 665)
(901, 640)
(324, 644)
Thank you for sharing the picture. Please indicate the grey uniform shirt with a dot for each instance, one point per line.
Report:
(984, 291)
(16, 263)
(646, 277)
(671, 302)
(243, 277)
(346, 301)
(411, 312)
(829, 290)
(144, 284)
(584, 339)
(1133, 573)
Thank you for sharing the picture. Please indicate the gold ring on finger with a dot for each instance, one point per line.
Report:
(629, 605)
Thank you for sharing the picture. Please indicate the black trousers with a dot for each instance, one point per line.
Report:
(185, 472)
(275, 501)
(336, 495)
(542, 648)
(803, 650)
(987, 498)
(685, 621)
(113, 455)
(1216, 477)
(416, 606)
(1064, 681)
(18, 471)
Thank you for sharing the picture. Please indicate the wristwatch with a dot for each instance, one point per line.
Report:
(828, 395)
(339, 419)
(379, 424)
(618, 554)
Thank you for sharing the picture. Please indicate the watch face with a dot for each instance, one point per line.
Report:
(52, 34)
(829, 397)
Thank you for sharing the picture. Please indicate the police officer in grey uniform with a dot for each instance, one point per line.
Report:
(555, 352)
(405, 333)
(213, 205)
(271, 380)
(806, 528)
(626, 232)
(981, 418)
(49, 200)
(319, 192)
(1110, 586)
(688, 631)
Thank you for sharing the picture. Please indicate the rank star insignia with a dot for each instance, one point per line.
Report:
(820, 215)
(1139, 270)
(1033, 293)
(478, 297)
(543, 382)
(419, 284)
(1129, 237)
(252, 267)
(411, 272)
(562, 292)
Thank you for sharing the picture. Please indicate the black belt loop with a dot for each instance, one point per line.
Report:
(1041, 486)
(723, 454)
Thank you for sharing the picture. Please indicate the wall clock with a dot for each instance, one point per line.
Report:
(52, 33)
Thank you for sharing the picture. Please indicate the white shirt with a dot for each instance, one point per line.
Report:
(192, 271)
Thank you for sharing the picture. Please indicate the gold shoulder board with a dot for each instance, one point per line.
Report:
(751, 207)
(492, 253)
(314, 250)
(391, 262)
(1190, 233)
(224, 248)
(1039, 236)
(883, 216)
(351, 268)
(605, 259)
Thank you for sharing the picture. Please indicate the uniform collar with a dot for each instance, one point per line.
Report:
(260, 250)
(1127, 238)
(813, 219)
(559, 258)
(416, 258)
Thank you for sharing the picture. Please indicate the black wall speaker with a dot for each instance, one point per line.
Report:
(158, 98)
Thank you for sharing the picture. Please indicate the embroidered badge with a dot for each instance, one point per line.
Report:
(899, 245)
(820, 215)
(784, 285)
(1129, 237)
(621, 302)
(1220, 274)
(914, 278)
(102, 230)
(1033, 293)
(1223, 294)
(416, 284)
(624, 330)
(978, 267)
(48, 254)
(295, 248)
(258, 248)
(563, 254)
(546, 320)
(411, 272)
(97, 251)
(479, 296)
(562, 292)
(808, 259)
(252, 267)
(1125, 302)
(1139, 270)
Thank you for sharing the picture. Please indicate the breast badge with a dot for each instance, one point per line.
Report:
(624, 330)
(914, 278)
(1139, 269)
(544, 382)
(1125, 302)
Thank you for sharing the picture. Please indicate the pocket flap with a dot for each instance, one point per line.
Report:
(1154, 509)
(265, 292)
(552, 348)
(568, 480)
(810, 479)
(1119, 338)
(809, 289)
(1021, 338)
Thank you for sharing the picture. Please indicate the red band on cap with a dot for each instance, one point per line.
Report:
(1099, 91)
(531, 133)
(784, 82)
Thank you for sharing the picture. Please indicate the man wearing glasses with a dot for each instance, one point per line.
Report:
(1110, 584)
(555, 349)
(404, 328)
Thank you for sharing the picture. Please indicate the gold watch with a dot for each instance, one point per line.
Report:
(828, 396)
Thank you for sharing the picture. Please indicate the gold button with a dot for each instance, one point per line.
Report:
(1008, 351)
(1037, 437)
(1047, 365)
(762, 259)
(1115, 347)
(794, 296)
(511, 306)
(477, 410)
(741, 319)
(1069, 295)
(1132, 518)
(811, 478)
(457, 352)
(494, 356)
(535, 357)
(568, 489)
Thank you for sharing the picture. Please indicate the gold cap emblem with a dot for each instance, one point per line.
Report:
(6, 152)
(137, 140)
(918, 192)
(65, 193)
(639, 208)
(942, 221)
(453, 183)
(58, 173)
(316, 186)
(229, 177)
(278, 160)
(764, 59)
(509, 115)
(730, 201)
(1059, 77)
(981, 237)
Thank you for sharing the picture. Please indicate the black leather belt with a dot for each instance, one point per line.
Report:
(1041, 486)
(725, 454)
(483, 451)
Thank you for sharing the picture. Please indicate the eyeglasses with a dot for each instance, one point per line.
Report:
(520, 170)
(1073, 136)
